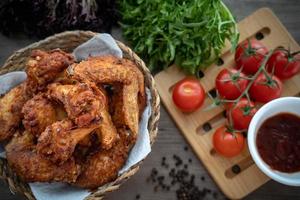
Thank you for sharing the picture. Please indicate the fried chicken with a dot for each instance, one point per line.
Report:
(112, 70)
(107, 132)
(86, 103)
(79, 101)
(142, 95)
(125, 117)
(38, 113)
(10, 111)
(102, 166)
(33, 167)
(57, 143)
(75, 130)
(43, 67)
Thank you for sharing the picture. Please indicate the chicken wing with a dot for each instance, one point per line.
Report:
(102, 166)
(38, 113)
(110, 70)
(57, 143)
(142, 95)
(107, 132)
(79, 101)
(120, 116)
(32, 167)
(85, 103)
(43, 67)
(10, 111)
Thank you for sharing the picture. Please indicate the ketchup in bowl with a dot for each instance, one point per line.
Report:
(278, 142)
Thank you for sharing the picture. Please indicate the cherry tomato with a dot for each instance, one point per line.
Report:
(249, 56)
(230, 83)
(284, 64)
(228, 144)
(241, 113)
(265, 89)
(188, 94)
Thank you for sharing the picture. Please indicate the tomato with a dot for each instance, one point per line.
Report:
(249, 56)
(241, 114)
(230, 83)
(265, 89)
(284, 64)
(188, 94)
(228, 144)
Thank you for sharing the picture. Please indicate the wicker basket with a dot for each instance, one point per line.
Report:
(67, 41)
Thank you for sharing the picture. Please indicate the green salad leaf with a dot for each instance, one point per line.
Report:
(189, 33)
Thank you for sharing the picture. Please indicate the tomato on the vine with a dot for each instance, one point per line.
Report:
(188, 94)
(230, 83)
(241, 113)
(227, 143)
(249, 56)
(284, 64)
(265, 88)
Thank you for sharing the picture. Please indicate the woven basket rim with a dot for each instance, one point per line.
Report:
(14, 63)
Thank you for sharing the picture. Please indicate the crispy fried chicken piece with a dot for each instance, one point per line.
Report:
(112, 70)
(43, 67)
(79, 101)
(32, 167)
(120, 115)
(122, 77)
(102, 166)
(39, 113)
(10, 111)
(85, 103)
(142, 95)
(107, 132)
(57, 143)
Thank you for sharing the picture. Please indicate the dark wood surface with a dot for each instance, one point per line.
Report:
(169, 140)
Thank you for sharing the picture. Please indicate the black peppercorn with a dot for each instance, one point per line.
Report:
(236, 169)
(179, 179)
(215, 195)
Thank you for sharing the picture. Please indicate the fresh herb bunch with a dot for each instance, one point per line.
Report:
(45, 17)
(190, 33)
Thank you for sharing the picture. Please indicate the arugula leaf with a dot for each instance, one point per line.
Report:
(189, 33)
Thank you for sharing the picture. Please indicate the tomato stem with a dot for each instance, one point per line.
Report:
(217, 101)
(261, 69)
(248, 97)
(247, 78)
(295, 53)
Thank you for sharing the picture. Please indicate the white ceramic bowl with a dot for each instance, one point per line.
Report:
(285, 104)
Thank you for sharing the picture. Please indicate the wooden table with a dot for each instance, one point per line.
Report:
(170, 141)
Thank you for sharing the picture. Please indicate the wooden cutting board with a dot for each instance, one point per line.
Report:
(236, 176)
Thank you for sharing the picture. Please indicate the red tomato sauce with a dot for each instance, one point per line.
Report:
(278, 142)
